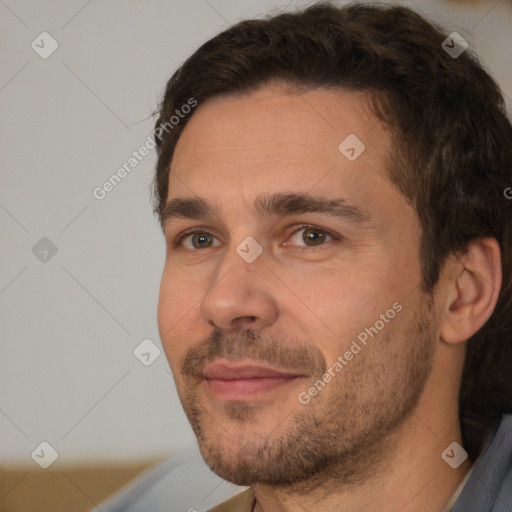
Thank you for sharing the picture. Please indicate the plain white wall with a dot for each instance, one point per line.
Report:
(69, 325)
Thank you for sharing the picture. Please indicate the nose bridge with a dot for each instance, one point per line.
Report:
(239, 294)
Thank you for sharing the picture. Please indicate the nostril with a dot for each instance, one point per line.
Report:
(241, 321)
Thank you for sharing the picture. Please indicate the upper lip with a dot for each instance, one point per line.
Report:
(228, 371)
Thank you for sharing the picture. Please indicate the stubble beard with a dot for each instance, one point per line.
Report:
(341, 436)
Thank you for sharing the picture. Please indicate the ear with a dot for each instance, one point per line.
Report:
(472, 283)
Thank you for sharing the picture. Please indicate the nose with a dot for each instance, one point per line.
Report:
(241, 296)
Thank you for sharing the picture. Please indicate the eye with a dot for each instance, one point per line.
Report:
(310, 236)
(197, 240)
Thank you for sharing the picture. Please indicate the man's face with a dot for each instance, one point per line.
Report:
(291, 361)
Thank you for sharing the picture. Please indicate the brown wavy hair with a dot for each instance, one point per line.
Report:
(452, 141)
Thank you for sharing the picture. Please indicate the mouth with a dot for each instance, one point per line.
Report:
(229, 381)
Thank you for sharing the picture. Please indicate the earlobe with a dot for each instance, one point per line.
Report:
(472, 290)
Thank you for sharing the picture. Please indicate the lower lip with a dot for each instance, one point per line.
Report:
(243, 389)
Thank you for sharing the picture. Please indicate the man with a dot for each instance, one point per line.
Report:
(336, 299)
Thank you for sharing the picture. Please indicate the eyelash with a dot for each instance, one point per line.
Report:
(178, 241)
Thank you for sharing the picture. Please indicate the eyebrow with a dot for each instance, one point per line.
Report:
(281, 205)
(290, 204)
(185, 208)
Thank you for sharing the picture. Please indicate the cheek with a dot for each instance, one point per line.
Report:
(341, 306)
(177, 298)
(177, 303)
(340, 299)
(168, 303)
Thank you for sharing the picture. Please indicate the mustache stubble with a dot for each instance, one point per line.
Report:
(249, 344)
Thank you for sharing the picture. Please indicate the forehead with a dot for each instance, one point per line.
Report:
(275, 139)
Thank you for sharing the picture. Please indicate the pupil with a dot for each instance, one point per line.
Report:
(201, 241)
(313, 236)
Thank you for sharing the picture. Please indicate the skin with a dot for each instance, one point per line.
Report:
(372, 438)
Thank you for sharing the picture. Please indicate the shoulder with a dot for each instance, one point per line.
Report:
(490, 485)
